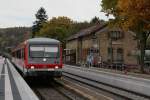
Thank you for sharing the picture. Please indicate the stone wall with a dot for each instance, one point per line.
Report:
(127, 43)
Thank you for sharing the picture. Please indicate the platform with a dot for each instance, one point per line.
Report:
(136, 85)
(12, 85)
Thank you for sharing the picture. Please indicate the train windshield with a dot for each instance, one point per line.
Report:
(44, 51)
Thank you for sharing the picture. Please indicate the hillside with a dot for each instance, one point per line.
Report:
(10, 37)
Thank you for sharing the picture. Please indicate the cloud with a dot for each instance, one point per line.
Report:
(21, 12)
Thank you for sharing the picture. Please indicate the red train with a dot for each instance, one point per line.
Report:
(39, 56)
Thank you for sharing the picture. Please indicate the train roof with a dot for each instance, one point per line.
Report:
(43, 40)
(36, 40)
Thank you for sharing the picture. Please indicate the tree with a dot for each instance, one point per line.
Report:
(8, 37)
(132, 15)
(96, 20)
(57, 28)
(77, 26)
(41, 18)
(61, 28)
(109, 6)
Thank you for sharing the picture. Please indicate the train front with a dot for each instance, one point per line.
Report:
(44, 57)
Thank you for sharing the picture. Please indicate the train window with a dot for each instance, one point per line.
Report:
(32, 48)
(15, 55)
(22, 55)
(18, 53)
(51, 49)
(43, 51)
(36, 51)
(51, 52)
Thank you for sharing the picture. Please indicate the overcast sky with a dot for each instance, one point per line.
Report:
(22, 12)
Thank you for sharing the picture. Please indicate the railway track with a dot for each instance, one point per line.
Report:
(96, 91)
(58, 89)
(114, 92)
(53, 90)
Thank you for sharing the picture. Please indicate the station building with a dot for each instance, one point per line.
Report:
(107, 45)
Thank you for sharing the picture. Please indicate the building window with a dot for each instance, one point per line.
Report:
(115, 35)
(110, 54)
(119, 55)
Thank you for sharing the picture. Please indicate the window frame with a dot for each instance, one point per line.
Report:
(55, 45)
(115, 35)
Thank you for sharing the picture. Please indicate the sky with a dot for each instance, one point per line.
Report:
(15, 13)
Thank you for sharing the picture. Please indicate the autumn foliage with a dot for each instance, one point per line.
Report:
(134, 12)
(131, 15)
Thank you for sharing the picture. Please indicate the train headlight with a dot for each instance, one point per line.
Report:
(32, 67)
(56, 67)
(44, 59)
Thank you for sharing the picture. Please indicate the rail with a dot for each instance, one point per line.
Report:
(123, 85)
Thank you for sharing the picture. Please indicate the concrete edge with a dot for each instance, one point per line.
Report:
(25, 91)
